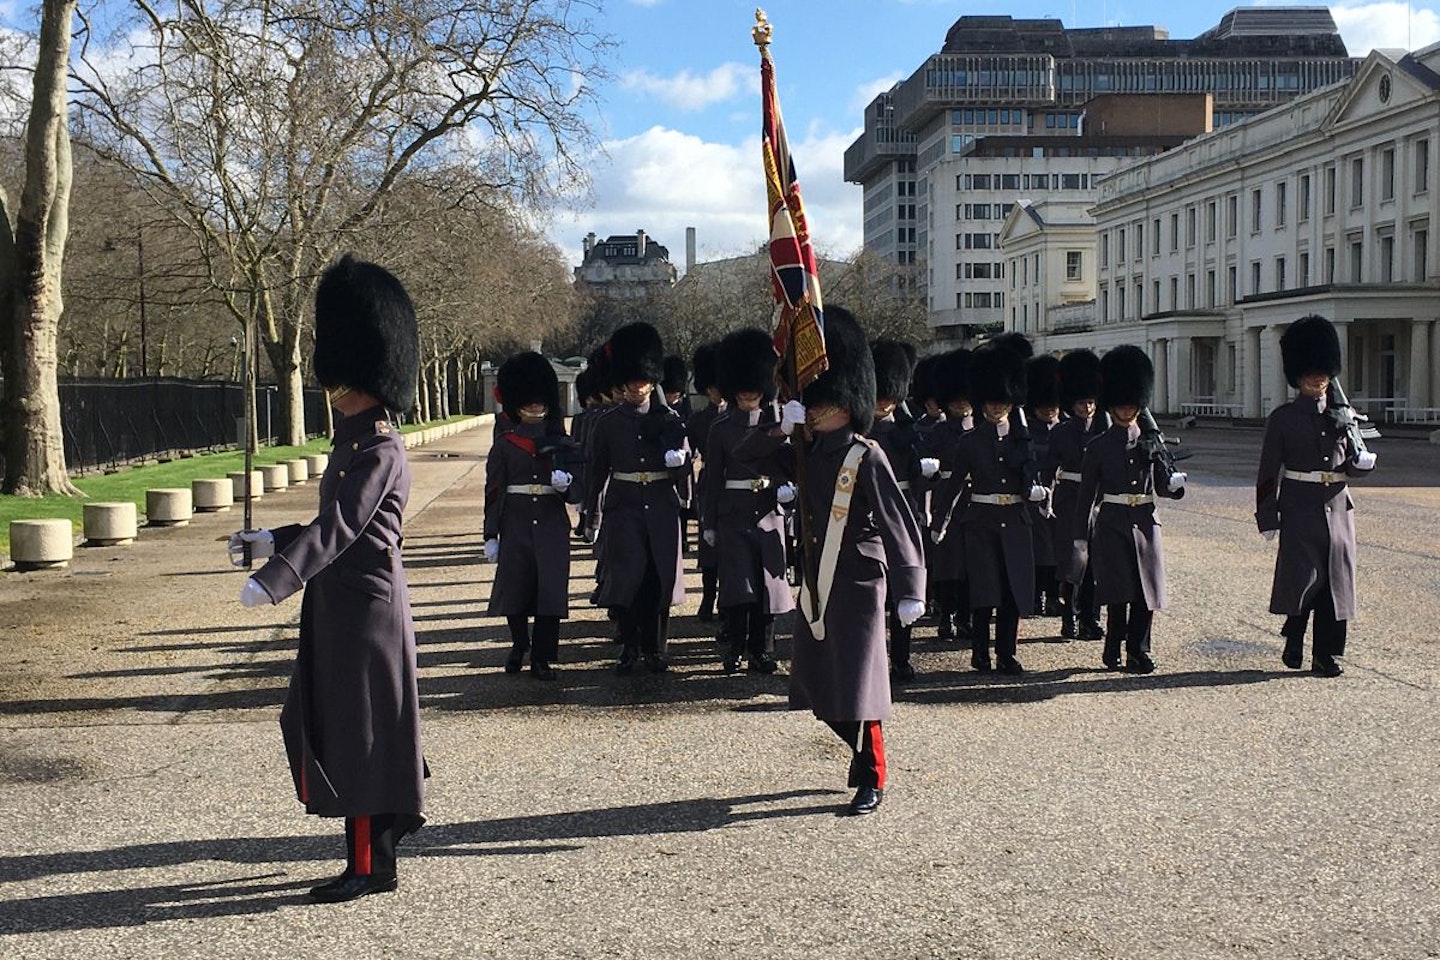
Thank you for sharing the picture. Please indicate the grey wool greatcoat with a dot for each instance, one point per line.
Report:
(532, 576)
(998, 545)
(351, 721)
(1316, 520)
(948, 496)
(635, 517)
(1126, 554)
(1068, 441)
(846, 676)
(749, 524)
(697, 431)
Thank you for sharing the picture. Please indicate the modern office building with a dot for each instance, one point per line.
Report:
(1006, 111)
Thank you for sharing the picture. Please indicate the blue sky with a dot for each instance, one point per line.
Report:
(680, 119)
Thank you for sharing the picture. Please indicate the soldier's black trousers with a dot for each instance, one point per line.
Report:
(899, 636)
(1007, 625)
(645, 624)
(1128, 623)
(370, 844)
(749, 628)
(543, 641)
(1081, 600)
(867, 750)
(1329, 632)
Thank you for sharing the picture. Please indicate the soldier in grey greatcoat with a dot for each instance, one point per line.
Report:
(1120, 474)
(894, 431)
(1302, 491)
(351, 720)
(743, 503)
(1079, 394)
(697, 431)
(639, 459)
(527, 528)
(947, 495)
(857, 510)
(1042, 398)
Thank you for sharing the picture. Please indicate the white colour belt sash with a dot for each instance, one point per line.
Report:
(834, 533)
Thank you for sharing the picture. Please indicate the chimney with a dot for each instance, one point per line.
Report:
(589, 243)
(640, 244)
(689, 249)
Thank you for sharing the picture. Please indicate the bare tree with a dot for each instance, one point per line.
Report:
(281, 127)
(32, 253)
(885, 297)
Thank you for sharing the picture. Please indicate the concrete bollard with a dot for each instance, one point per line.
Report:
(277, 477)
(299, 471)
(168, 507)
(212, 496)
(257, 485)
(109, 524)
(317, 462)
(41, 544)
(1435, 436)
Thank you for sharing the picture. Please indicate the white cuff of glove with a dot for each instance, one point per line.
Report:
(791, 416)
(492, 549)
(262, 545)
(709, 537)
(254, 595)
(1037, 493)
(1176, 481)
(1268, 534)
(908, 611)
(674, 458)
(1366, 460)
(785, 493)
(935, 536)
(560, 480)
(929, 466)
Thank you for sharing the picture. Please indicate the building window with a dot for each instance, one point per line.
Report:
(1074, 265)
(1422, 166)
(958, 274)
(1010, 181)
(1232, 214)
(1139, 292)
(1387, 174)
(1280, 198)
(1304, 198)
(1174, 232)
(1155, 237)
(1189, 291)
(1421, 246)
(958, 297)
(1104, 249)
(1189, 227)
(1120, 301)
(1254, 277)
(1174, 293)
(1256, 203)
(1302, 276)
(959, 241)
(1329, 265)
(1330, 190)
(1210, 222)
(1232, 285)
(1155, 291)
(1387, 259)
(1209, 288)
(1120, 245)
(1357, 182)
(1357, 259)
(1139, 240)
(1279, 273)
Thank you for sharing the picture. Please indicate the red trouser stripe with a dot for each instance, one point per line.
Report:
(877, 746)
(362, 845)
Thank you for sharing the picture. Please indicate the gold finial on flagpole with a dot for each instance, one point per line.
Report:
(762, 30)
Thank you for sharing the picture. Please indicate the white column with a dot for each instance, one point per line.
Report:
(1160, 358)
(1417, 367)
(1272, 372)
(1250, 366)
(1182, 374)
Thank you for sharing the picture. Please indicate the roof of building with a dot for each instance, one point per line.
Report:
(624, 248)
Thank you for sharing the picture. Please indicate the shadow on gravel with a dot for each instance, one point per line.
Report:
(539, 834)
(952, 686)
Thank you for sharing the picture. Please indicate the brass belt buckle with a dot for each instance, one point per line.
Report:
(757, 484)
(643, 476)
(536, 489)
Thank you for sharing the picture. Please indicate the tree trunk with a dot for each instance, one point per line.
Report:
(31, 275)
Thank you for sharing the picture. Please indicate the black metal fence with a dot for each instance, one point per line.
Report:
(117, 421)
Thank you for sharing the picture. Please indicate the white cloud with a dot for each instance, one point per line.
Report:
(665, 180)
(867, 92)
(688, 91)
(645, 3)
(1366, 26)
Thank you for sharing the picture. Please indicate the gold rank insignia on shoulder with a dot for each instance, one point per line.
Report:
(382, 427)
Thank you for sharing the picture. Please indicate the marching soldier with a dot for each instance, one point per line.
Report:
(866, 546)
(697, 431)
(743, 498)
(639, 461)
(580, 430)
(1123, 471)
(929, 415)
(894, 431)
(526, 523)
(351, 720)
(1042, 395)
(1079, 393)
(952, 593)
(675, 384)
(1301, 491)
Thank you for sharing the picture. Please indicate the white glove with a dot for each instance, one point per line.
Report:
(674, 458)
(1269, 534)
(908, 611)
(262, 545)
(560, 480)
(254, 595)
(1366, 460)
(935, 536)
(709, 537)
(592, 533)
(492, 550)
(1080, 546)
(1037, 494)
(791, 416)
(785, 493)
(1176, 481)
(929, 466)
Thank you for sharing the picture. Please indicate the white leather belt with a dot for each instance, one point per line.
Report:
(532, 489)
(644, 476)
(903, 484)
(1067, 475)
(1129, 499)
(754, 485)
(1314, 476)
(998, 499)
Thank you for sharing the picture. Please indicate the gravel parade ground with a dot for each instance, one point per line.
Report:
(1221, 807)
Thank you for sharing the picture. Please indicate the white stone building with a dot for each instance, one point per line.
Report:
(1325, 205)
(1049, 251)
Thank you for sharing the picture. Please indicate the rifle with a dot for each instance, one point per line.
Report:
(1156, 444)
(1030, 463)
(1337, 405)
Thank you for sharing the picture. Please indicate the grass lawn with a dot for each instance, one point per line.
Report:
(131, 483)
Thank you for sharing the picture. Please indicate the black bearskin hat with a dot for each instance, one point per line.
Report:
(850, 381)
(744, 363)
(952, 377)
(1042, 381)
(1126, 376)
(598, 366)
(894, 365)
(584, 385)
(635, 352)
(1015, 341)
(677, 378)
(1079, 377)
(1310, 345)
(365, 333)
(922, 382)
(524, 379)
(702, 363)
(997, 375)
